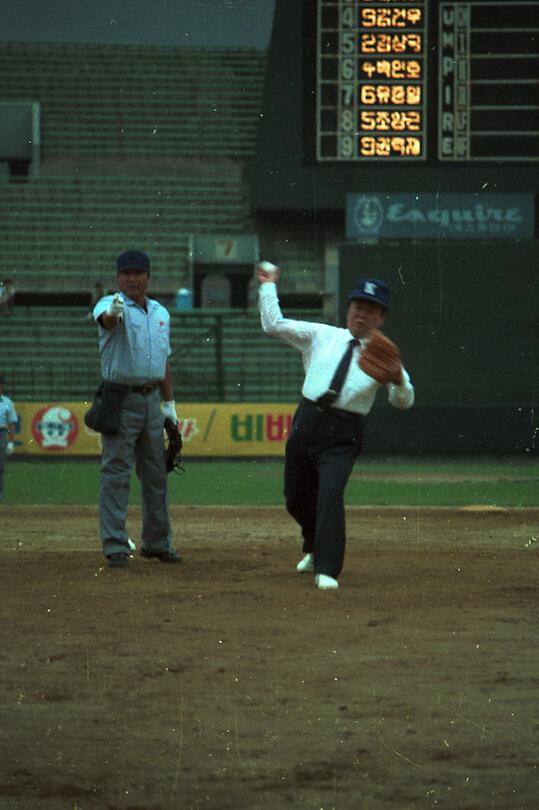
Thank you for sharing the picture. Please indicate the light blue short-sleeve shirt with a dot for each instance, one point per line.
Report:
(136, 351)
(8, 415)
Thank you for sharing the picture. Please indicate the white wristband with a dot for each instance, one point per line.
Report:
(169, 409)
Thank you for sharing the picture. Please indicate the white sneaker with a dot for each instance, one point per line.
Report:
(306, 565)
(326, 583)
(132, 546)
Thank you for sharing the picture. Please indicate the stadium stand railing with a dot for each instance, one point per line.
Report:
(124, 105)
(64, 232)
(141, 147)
(219, 357)
(132, 100)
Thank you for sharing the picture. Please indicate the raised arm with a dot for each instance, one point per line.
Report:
(297, 333)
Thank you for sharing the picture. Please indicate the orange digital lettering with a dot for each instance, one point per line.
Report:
(368, 146)
(368, 43)
(368, 17)
(383, 147)
(369, 68)
(413, 69)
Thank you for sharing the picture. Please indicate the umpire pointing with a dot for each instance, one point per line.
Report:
(326, 435)
(134, 345)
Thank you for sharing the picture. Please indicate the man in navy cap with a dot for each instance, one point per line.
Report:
(327, 428)
(134, 342)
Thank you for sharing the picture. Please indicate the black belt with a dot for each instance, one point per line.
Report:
(145, 389)
(351, 417)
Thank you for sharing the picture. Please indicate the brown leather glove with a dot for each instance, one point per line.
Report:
(381, 359)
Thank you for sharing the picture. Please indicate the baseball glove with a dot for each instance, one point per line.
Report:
(381, 359)
(173, 448)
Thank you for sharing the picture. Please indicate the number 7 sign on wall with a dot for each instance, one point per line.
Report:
(226, 248)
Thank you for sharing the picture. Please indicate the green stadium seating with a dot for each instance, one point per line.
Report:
(216, 357)
(130, 100)
(141, 147)
(134, 104)
(67, 230)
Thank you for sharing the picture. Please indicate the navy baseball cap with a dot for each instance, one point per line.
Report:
(133, 260)
(371, 289)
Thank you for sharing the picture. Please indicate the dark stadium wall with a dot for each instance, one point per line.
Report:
(467, 320)
(285, 175)
(464, 312)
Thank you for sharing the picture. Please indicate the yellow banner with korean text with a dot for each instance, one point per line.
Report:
(208, 429)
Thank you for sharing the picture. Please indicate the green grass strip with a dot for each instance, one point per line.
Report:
(260, 482)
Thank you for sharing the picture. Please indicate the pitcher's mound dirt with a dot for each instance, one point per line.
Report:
(230, 682)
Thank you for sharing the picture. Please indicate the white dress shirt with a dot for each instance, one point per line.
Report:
(322, 347)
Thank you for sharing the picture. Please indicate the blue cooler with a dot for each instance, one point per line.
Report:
(184, 299)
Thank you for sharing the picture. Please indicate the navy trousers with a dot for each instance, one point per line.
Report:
(320, 453)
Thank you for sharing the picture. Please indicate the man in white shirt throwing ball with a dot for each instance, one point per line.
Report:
(338, 391)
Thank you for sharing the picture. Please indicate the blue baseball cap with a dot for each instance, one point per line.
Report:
(133, 260)
(371, 289)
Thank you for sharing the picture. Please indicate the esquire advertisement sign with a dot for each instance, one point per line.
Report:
(439, 216)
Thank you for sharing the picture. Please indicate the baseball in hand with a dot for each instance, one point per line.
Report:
(116, 307)
(268, 267)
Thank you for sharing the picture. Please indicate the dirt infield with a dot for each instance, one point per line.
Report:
(230, 682)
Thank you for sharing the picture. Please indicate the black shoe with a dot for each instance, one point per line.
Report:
(117, 560)
(162, 556)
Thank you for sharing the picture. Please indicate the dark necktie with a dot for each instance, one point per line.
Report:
(339, 377)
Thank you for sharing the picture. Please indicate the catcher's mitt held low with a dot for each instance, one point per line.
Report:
(381, 359)
(173, 448)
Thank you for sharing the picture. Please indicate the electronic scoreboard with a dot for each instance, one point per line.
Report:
(393, 95)
(371, 80)
(413, 80)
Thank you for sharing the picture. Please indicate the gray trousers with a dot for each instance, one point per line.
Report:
(139, 441)
(3, 456)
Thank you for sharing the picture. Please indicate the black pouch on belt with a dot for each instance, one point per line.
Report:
(104, 413)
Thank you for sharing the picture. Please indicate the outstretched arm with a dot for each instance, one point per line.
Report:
(110, 317)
